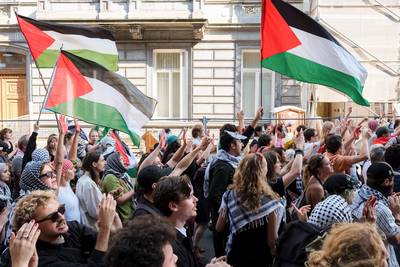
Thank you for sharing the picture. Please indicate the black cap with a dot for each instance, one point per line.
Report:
(379, 171)
(337, 183)
(150, 175)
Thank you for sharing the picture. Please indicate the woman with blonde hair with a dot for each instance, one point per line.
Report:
(351, 245)
(251, 206)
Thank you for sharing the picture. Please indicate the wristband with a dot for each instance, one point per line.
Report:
(298, 151)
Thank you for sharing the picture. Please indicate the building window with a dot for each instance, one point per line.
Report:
(170, 77)
(251, 85)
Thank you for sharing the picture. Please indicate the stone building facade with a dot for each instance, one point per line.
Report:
(196, 57)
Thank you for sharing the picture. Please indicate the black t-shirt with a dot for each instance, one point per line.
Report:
(278, 186)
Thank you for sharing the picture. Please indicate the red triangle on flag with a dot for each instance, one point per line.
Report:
(276, 35)
(37, 40)
(68, 83)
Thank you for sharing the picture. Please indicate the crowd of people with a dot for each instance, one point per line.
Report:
(323, 194)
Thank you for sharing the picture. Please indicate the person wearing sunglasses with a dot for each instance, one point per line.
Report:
(61, 242)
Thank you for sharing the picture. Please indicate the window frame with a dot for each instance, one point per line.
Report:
(183, 109)
(267, 113)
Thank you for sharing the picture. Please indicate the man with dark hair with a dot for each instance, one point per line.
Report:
(146, 241)
(379, 185)
(175, 200)
(392, 157)
(382, 135)
(335, 152)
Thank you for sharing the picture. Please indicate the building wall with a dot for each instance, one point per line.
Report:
(213, 86)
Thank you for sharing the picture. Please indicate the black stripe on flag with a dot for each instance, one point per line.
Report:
(88, 31)
(297, 19)
(90, 69)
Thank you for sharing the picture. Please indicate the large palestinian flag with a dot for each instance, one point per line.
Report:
(45, 40)
(295, 45)
(83, 89)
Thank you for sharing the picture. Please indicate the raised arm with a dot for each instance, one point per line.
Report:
(297, 164)
(150, 158)
(73, 152)
(188, 159)
(177, 156)
(31, 146)
(59, 157)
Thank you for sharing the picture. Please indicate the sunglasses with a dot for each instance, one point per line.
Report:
(54, 215)
(49, 174)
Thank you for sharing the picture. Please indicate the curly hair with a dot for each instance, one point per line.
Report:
(26, 207)
(250, 184)
(351, 245)
(140, 243)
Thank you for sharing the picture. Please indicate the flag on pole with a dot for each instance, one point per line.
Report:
(295, 45)
(45, 40)
(85, 90)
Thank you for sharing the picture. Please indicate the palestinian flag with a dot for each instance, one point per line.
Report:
(45, 40)
(83, 89)
(295, 45)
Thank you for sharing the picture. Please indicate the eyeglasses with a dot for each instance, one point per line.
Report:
(54, 215)
(49, 174)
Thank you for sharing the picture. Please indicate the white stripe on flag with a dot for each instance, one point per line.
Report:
(79, 42)
(105, 94)
(327, 53)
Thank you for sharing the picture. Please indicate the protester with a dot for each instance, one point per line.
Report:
(51, 147)
(380, 183)
(93, 139)
(6, 137)
(88, 187)
(66, 195)
(335, 151)
(5, 177)
(63, 243)
(175, 200)
(336, 207)
(146, 241)
(117, 182)
(376, 154)
(352, 244)
(392, 157)
(319, 168)
(250, 207)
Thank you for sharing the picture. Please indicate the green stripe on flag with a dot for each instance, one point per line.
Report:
(48, 58)
(308, 71)
(97, 113)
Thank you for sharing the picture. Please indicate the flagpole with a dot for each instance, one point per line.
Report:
(45, 87)
(263, 10)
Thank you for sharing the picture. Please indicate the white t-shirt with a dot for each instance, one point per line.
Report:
(67, 197)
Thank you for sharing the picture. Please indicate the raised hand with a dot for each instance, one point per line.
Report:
(77, 126)
(63, 127)
(106, 211)
(23, 245)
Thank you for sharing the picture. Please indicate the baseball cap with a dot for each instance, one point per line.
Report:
(380, 171)
(236, 135)
(337, 183)
(151, 174)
